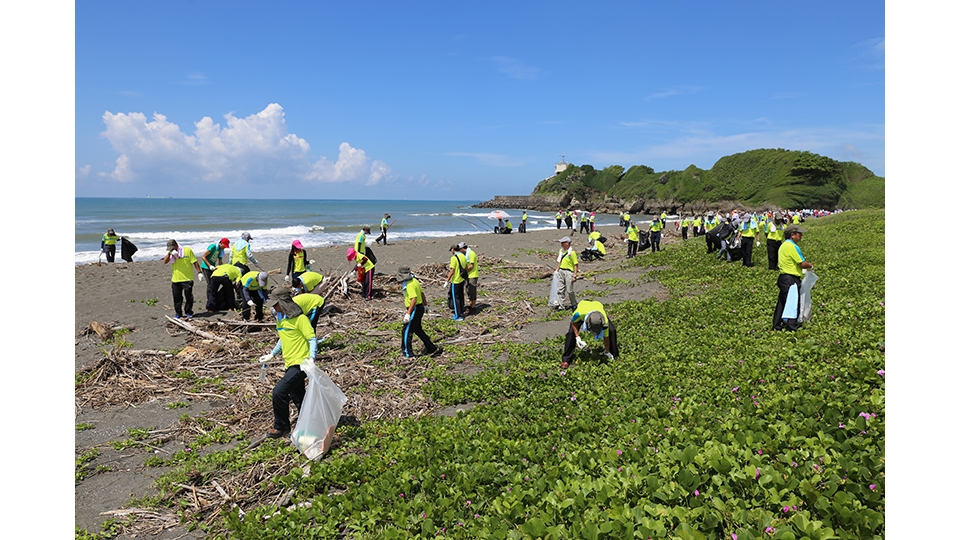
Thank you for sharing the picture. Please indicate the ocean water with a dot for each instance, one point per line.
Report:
(275, 223)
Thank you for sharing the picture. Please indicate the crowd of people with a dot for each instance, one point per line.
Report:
(297, 305)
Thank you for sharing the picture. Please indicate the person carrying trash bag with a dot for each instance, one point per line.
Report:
(791, 262)
(590, 316)
(568, 267)
(297, 342)
(108, 245)
(415, 302)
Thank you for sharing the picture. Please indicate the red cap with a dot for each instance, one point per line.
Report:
(225, 242)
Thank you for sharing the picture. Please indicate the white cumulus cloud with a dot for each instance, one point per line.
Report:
(253, 149)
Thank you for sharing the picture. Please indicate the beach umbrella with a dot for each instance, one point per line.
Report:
(498, 214)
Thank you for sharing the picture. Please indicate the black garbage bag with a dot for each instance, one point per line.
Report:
(644, 241)
(127, 249)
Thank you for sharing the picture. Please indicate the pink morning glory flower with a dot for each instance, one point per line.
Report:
(786, 509)
(758, 474)
(467, 504)
(881, 373)
(841, 426)
(696, 493)
(733, 536)
(735, 388)
(873, 487)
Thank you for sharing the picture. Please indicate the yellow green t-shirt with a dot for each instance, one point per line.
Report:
(110, 239)
(240, 254)
(229, 270)
(584, 308)
(299, 264)
(295, 335)
(183, 266)
(789, 258)
(457, 261)
(568, 259)
(311, 279)
(249, 280)
(773, 232)
(472, 258)
(633, 233)
(308, 301)
(412, 292)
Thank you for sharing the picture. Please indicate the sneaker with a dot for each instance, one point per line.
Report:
(564, 365)
(457, 318)
(176, 316)
(437, 352)
(188, 316)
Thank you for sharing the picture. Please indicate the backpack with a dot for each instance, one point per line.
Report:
(463, 271)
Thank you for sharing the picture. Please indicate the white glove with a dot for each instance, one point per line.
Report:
(581, 343)
(251, 303)
(758, 243)
(610, 356)
(266, 358)
(201, 278)
(312, 261)
(287, 279)
(406, 318)
(445, 285)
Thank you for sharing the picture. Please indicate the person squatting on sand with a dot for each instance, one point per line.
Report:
(568, 266)
(415, 302)
(297, 342)
(591, 316)
(225, 277)
(182, 277)
(253, 291)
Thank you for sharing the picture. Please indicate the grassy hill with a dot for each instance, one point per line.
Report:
(756, 178)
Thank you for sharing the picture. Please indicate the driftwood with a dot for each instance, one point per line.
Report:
(190, 328)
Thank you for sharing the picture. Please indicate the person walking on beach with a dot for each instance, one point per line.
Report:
(223, 281)
(791, 263)
(684, 225)
(523, 222)
(108, 245)
(296, 261)
(184, 263)
(384, 225)
(297, 343)
(568, 267)
(242, 253)
(626, 220)
(473, 275)
(559, 218)
(748, 235)
(214, 252)
(415, 302)
(568, 220)
(456, 280)
(633, 239)
(253, 293)
(589, 315)
(584, 222)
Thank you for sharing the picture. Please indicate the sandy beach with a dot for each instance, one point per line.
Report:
(122, 295)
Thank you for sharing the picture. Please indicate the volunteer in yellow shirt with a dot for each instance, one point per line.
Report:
(590, 319)
(223, 281)
(415, 302)
(184, 263)
(108, 244)
(791, 263)
(456, 280)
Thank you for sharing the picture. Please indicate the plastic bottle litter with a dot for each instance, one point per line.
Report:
(263, 372)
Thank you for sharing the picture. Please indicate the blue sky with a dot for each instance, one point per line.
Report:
(459, 100)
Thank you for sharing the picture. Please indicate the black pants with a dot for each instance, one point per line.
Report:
(713, 242)
(558, 223)
(182, 292)
(211, 299)
(784, 282)
(746, 243)
(291, 387)
(383, 236)
(584, 226)
(654, 241)
(455, 301)
(773, 250)
(631, 248)
(111, 252)
(414, 328)
(569, 222)
(222, 294)
(258, 303)
(523, 226)
(570, 343)
(683, 232)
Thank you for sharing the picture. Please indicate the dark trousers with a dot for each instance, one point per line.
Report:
(631, 248)
(626, 226)
(258, 303)
(570, 343)
(654, 241)
(222, 294)
(523, 226)
(569, 222)
(558, 223)
(291, 387)
(211, 299)
(366, 286)
(456, 299)
(584, 226)
(414, 328)
(773, 250)
(713, 242)
(182, 291)
(746, 243)
(383, 236)
(111, 252)
(243, 268)
(784, 282)
(683, 233)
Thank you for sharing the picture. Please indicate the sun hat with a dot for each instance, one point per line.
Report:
(461, 245)
(365, 228)
(224, 242)
(594, 322)
(351, 254)
(454, 248)
(297, 244)
(404, 273)
(788, 232)
(262, 279)
(564, 239)
(289, 308)
(110, 231)
(171, 244)
(246, 236)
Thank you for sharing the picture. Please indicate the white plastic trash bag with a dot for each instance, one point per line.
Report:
(554, 299)
(322, 405)
(809, 280)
